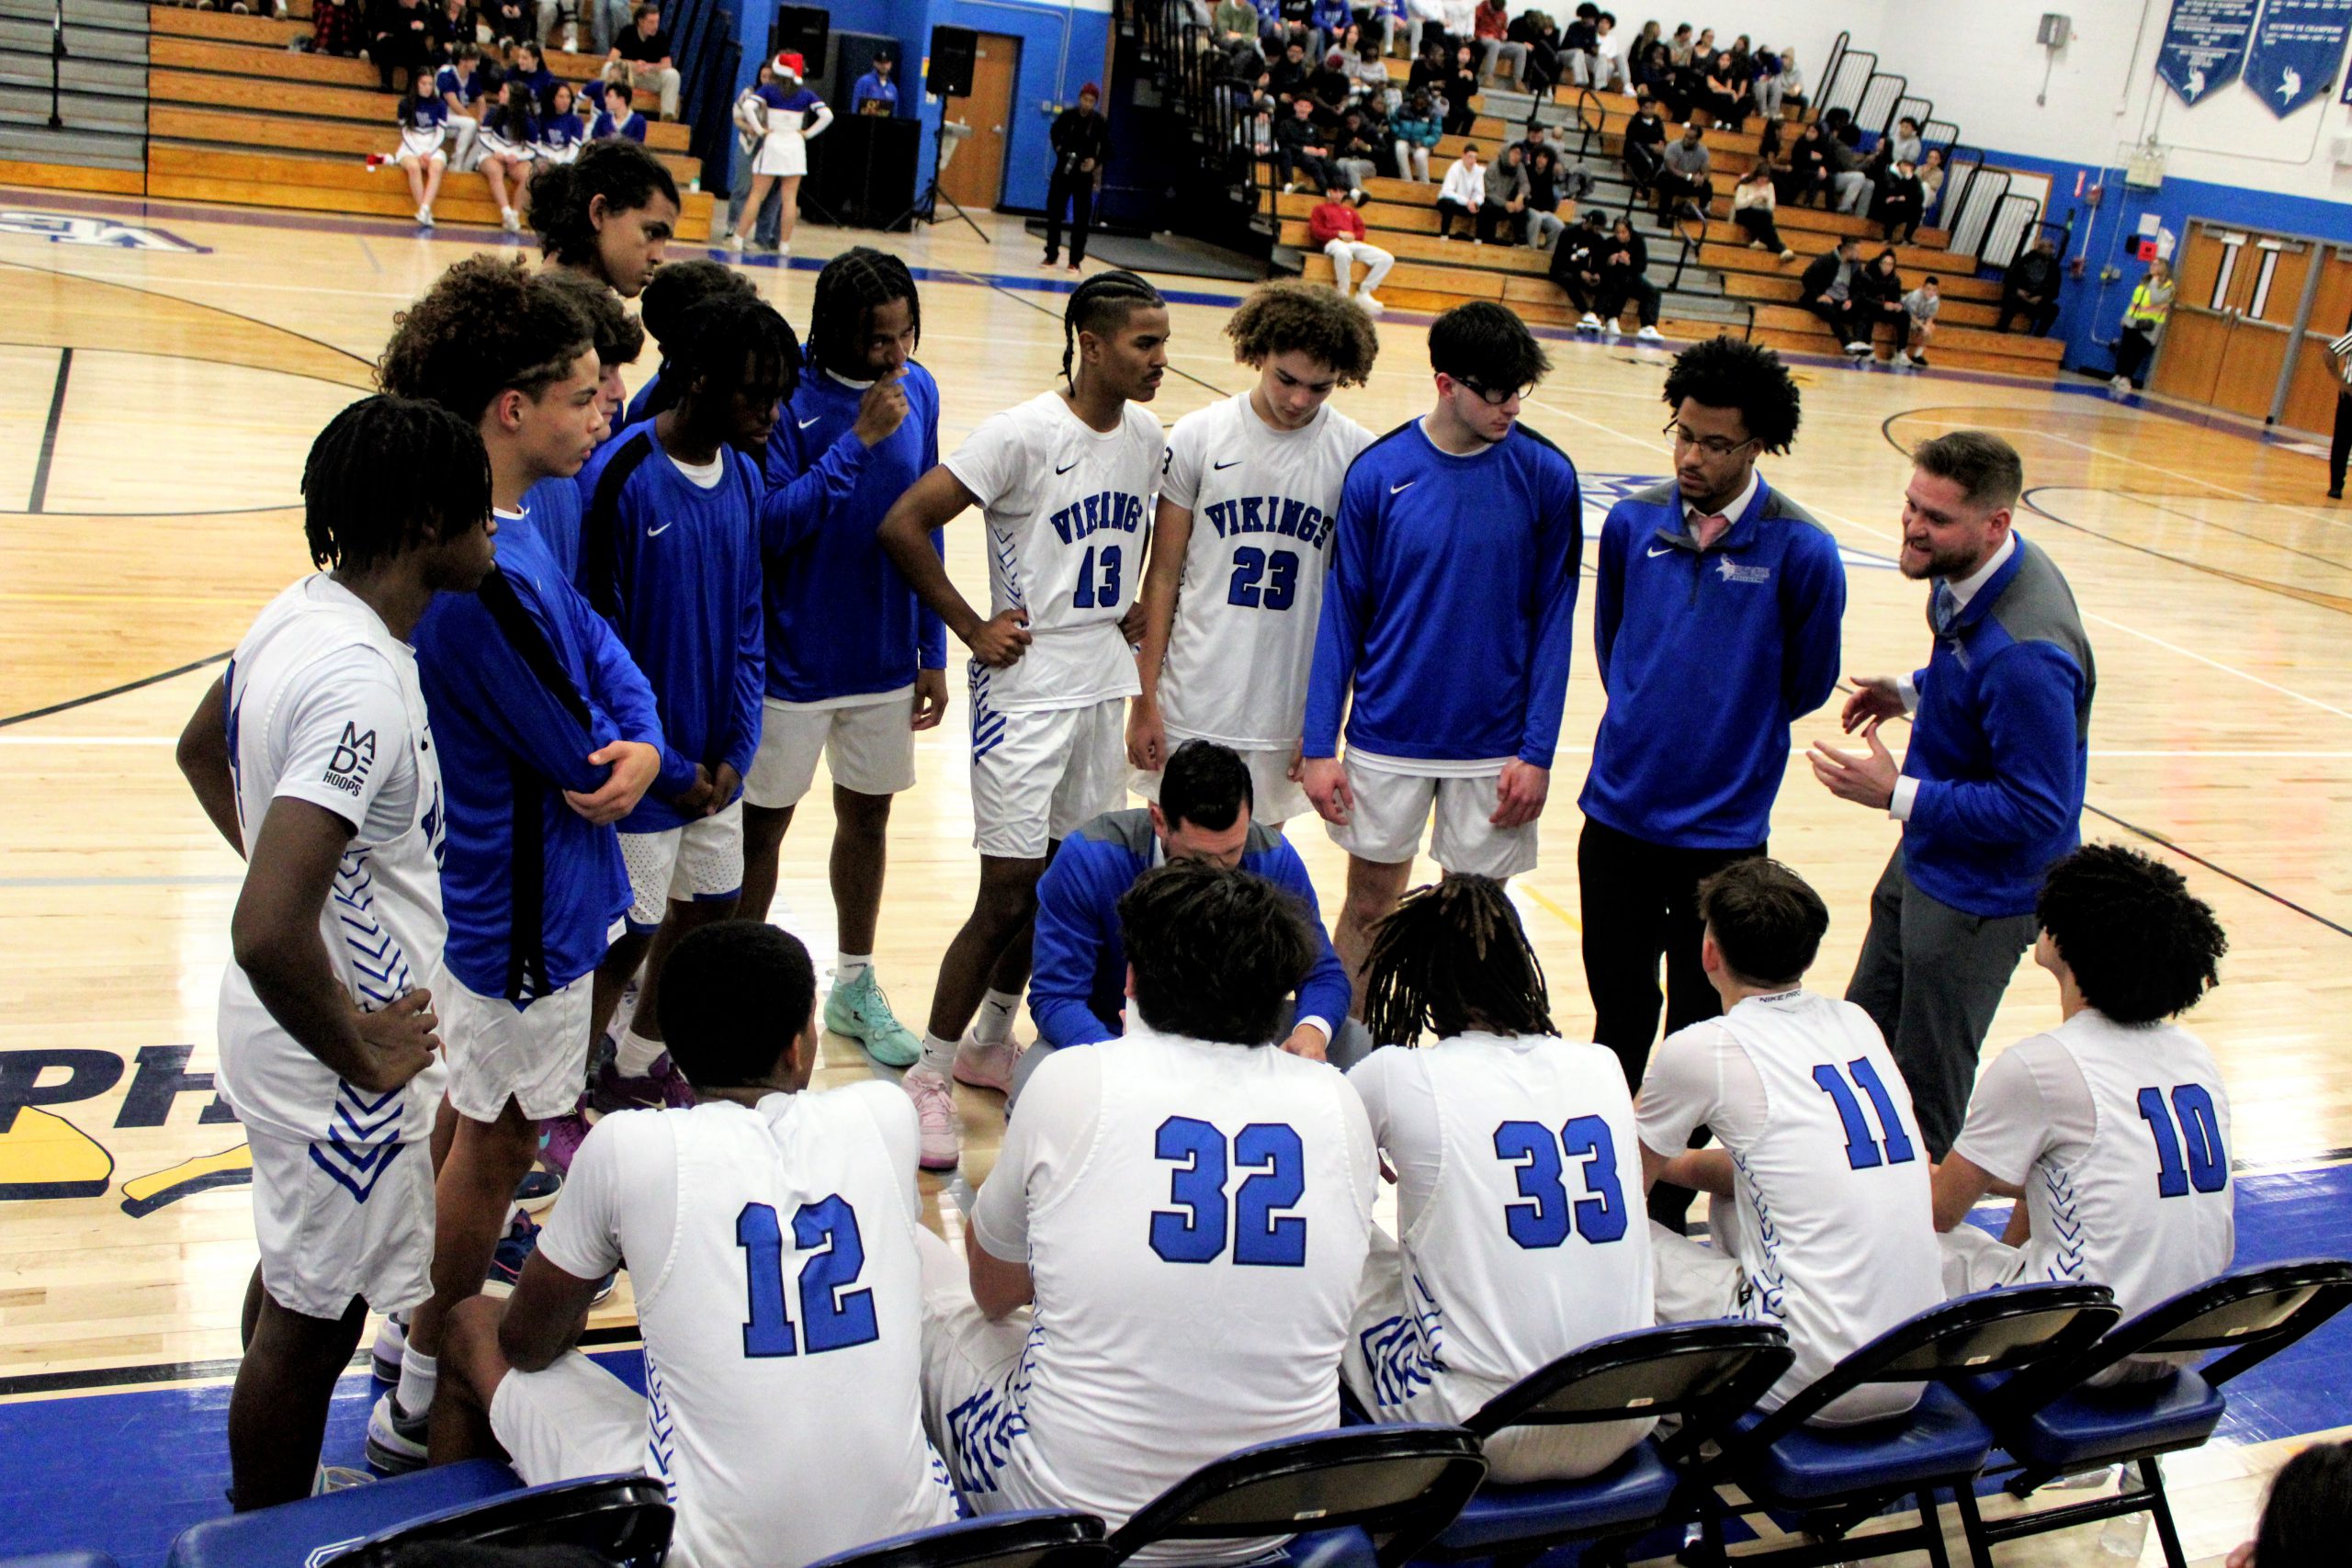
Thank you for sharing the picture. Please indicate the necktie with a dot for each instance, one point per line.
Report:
(1943, 608)
(1707, 530)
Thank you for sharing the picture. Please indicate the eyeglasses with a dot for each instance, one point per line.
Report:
(1495, 397)
(1713, 445)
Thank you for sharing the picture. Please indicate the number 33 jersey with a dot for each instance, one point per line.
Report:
(1263, 502)
(1069, 510)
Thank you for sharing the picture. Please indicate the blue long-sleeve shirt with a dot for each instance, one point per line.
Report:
(1450, 609)
(1077, 978)
(638, 409)
(2000, 742)
(841, 622)
(675, 568)
(1707, 656)
(525, 680)
(552, 509)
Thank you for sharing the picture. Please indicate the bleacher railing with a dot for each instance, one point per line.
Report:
(1181, 57)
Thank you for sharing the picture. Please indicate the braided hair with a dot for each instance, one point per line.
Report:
(853, 284)
(1450, 958)
(385, 472)
(1099, 303)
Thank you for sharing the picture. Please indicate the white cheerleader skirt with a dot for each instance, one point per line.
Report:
(784, 151)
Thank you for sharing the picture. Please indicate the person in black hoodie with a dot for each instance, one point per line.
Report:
(1808, 179)
(1461, 83)
(1878, 298)
(1829, 289)
(1624, 262)
(2031, 287)
(1644, 147)
(1575, 265)
(1081, 137)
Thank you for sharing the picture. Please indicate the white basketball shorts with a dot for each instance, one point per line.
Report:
(868, 747)
(1275, 798)
(348, 1216)
(1040, 776)
(1392, 807)
(535, 1056)
(701, 860)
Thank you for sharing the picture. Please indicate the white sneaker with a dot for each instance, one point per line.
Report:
(987, 1066)
(514, 223)
(785, 249)
(1608, 331)
(2119, 384)
(942, 1148)
(571, 38)
(1903, 358)
(395, 1438)
(1858, 349)
(384, 1355)
(1650, 334)
(424, 217)
(1372, 305)
(1589, 323)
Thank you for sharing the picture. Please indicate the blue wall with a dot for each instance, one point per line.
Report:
(2090, 314)
(1062, 49)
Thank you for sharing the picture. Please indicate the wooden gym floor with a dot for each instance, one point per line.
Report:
(164, 368)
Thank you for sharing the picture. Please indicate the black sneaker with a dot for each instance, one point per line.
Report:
(396, 1439)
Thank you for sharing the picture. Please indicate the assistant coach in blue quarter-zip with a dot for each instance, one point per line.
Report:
(1990, 793)
(1716, 601)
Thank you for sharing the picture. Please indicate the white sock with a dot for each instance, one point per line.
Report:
(419, 1376)
(938, 1056)
(633, 1056)
(994, 1026)
(848, 966)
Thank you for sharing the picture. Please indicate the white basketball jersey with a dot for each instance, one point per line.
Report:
(1533, 1240)
(2148, 1210)
(1195, 1272)
(1263, 502)
(783, 1338)
(324, 707)
(1835, 1223)
(1069, 512)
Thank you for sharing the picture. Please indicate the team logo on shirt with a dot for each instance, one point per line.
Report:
(1270, 515)
(1115, 510)
(1731, 570)
(354, 755)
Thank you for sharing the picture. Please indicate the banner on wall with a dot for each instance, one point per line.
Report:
(2298, 48)
(2204, 46)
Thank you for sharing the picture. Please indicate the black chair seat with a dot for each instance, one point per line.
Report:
(1034, 1538)
(1634, 1491)
(1939, 1439)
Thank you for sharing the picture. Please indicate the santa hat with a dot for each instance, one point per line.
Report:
(790, 64)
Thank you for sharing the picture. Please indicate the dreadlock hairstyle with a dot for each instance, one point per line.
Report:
(485, 326)
(2142, 946)
(676, 287)
(855, 284)
(619, 338)
(620, 171)
(729, 341)
(1306, 318)
(384, 473)
(1454, 957)
(1099, 305)
(1725, 373)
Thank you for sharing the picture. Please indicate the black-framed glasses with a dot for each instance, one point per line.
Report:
(1495, 397)
(1713, 445)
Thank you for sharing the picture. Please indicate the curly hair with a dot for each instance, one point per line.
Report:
(620, 171)
(1303, 317)
(676, 287)
(1451, 958)
(386, 472)
(2142, 946)
(1215, 951)
(1725, 373)
(486, 325)
(619, 338)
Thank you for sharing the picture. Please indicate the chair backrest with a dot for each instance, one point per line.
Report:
(1705, 1373)
(1406, 1482)
(624, 1518)
(1036, 1539)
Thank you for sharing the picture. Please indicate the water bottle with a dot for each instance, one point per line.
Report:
(2124, 1536)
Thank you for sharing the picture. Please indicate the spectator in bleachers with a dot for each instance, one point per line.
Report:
(1462, 193)
(461, 86)
(454, 24)
(1235, 22)
(1330, 19)
(509, 22)
(1644, 147)
(1878, 302)
(1503, 213)
(1624, 274)
(561, 131)
(619, 117)
(1921, 304)
(1430, 70)
(1653, 72)
(338, 27)
(1490, 25)
(1809, 179)
(1330, 87)
(1931, 183)
(1461, 86)
(1683, 183)
(1608, 56)
(1792, 88)
(2143, 323)
(1680, 47)
(1414, 131)
(1368, 75)
(425, 125)
(1828, 290)
(528, 66)
(1552, 186)
(1703, 50)
(1575, 265)
(1743, 59)
(509, 131)
(1338, 230)
(1848, 176)
(2030, 289)
(1536, 31)
(1726, 92)
(1900, 200)
(1903, 147)
(1768, 84)
(399, 37)
(1752, 205)
(1578, 38)
(1301, 147)
(1355, 152)
(1287, 78)
(645, 48)
(1297, 24)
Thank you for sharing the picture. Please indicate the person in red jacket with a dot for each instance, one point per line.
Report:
(1339, 228)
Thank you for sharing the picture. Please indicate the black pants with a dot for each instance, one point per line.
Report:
(2043, 316)
(1641, 904)
(1583, 296)
(1077, 188)
(1758, 223)
(1643, 163)
(2131, 352)
(1670, 188)
(1448, 209)
(1617, 286)
(1840, 318)
(2343, 444)
(1494, 217)
(1890, 312)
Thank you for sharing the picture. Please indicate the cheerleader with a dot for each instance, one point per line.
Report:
(795, 114)
(508, 131)
(561, 128)
(425, 125)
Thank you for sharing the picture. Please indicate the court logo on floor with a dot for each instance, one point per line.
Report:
(46, 1154)
(76, 229)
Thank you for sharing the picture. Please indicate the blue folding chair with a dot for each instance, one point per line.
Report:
(1041, 1538)
(1830, 1479)
(625, 1519)
(295, 1535)
(86, 1559)
(2050, 1421)
(1709, 1374)
(1366, 1497)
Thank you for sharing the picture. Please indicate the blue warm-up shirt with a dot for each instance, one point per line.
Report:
(841, 622)
(1451, 606)
(1707, 658)
(551, 508)
(525, 679)
(2000, 742)
(676, 568)
(1077, 979)
(640, 407)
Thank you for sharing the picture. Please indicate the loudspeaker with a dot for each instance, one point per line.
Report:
(802, 30)
(863, 169)
(953, 53)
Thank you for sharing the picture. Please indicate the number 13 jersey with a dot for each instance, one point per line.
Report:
(1068, 510)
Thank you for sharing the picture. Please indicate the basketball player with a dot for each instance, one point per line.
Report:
(1516, 1169)
(1227, 660)
(2114, 1127)
(550, 735)
(554, 504)
(606, 215)
(855, 664)
(1175, 1315)
(673, 290)
(1821, 1194)
(1062, 479)
(1458, 543)
(671, 556)
(772, 1236)
(312, 757)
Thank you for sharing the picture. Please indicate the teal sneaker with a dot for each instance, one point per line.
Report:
(859, 1010)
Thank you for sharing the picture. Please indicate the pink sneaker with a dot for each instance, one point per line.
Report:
(935, 1114)
(986, 1066)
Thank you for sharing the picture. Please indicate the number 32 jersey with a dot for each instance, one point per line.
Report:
(1263, 502)
(1068, 510)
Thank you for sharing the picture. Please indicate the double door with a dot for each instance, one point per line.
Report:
(2251, 321)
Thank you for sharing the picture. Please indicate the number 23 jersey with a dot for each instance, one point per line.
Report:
(1263, 502)
(1068, 510)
